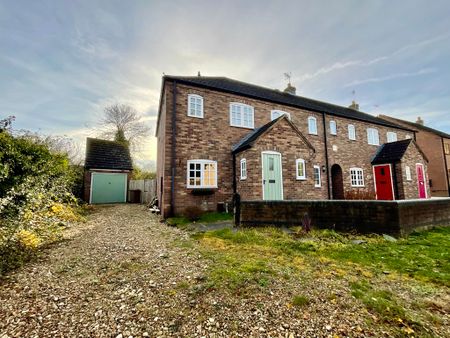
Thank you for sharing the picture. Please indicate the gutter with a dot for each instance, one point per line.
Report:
(446, 167)
(326, 155)
(174, 137)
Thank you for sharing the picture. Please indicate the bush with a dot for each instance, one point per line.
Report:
(193, 213)
(359, 195)
(35, 198)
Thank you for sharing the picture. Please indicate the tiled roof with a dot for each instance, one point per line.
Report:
(418, 126)
(246, 89)
(391, 152)
(103, 154)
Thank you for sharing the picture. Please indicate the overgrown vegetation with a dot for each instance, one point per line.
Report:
(250, 258)
(36, 197)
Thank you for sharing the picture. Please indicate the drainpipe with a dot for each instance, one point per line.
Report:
(236, 197)
(173, 160)
(445, 163)
(395, 180)
(326, 155)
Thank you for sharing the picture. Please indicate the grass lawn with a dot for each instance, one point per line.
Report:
(393, 279)
(208, 217)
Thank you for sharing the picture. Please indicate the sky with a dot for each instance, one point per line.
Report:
(63, 62)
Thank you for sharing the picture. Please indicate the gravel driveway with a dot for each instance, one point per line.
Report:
(123, 273)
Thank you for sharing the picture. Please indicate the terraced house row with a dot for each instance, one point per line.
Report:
(218, 138)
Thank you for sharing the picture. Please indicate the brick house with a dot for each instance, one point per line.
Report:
(436, 146)
(218, 137)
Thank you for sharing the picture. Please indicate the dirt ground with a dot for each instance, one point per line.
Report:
(124, 273)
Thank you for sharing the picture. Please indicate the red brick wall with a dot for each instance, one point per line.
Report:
(411, 158)
(212, 137)
(281, 138)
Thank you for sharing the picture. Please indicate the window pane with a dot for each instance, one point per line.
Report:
(270, 163)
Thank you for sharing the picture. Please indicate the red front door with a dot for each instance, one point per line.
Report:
(383, 182)
(421, 181)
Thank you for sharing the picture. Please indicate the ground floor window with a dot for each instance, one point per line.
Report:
(408, 173)
(202, 174)
(317, 181)
(300, 169)
(356, 177)
(243, 169)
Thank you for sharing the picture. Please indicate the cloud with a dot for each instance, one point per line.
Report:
(391, 77)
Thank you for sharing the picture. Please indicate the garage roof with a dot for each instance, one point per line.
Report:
(104, 154)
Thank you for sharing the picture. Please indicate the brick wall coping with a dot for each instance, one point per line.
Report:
(411, 201)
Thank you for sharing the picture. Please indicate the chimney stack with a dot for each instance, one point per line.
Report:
(354, 105)
(290, 89)
(419, 121)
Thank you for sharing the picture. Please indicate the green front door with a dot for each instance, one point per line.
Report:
(108, 188)
(272, 179)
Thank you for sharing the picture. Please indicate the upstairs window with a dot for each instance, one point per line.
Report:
(195, 105)
(243, 169)
(333, 129)
(351, 132)
(201, 174)
(317, 181)
(408, 173)
(372, 136)
(356, 177)
(300, 169)
(312, 125)
(408, 136)
(241, 115)
(274, 114)
(447, 148)
(391, 136)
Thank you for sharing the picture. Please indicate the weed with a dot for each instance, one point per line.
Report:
(300, 300)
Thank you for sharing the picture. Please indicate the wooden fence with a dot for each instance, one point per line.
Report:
(147, 188)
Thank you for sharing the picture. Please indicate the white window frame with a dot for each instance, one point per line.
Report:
(196, 97)
(243, 169)
(357, 177)
(351, 132)
(280, 112)
(333, 127)
(391, 136)
(408, 173)
(317, 185)
(300, 176)
(202, 170)
(373, 138)
(241, 107)
(312, 131)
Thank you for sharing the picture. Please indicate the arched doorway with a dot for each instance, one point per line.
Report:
(337, 182)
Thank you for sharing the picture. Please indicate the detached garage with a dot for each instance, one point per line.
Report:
(108, 167)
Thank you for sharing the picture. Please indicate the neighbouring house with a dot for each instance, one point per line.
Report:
(219, 138)
(436, 146)
(107, 171)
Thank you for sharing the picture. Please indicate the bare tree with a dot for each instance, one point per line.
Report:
(5, 124)
(122, 123)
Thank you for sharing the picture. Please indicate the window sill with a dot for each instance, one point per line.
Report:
(251, 128)
(197, 117)
(301, 178)
(243, 178)
(202, 191)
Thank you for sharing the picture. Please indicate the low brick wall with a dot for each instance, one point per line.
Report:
(397, 218)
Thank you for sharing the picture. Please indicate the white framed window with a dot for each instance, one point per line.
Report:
(356, 177)
(372, 136)
(243, 169)
(333, 128)
(300, 169)
(317, 181)
(274, 114)
(195, 106)
(391, 136)
(241, 115)
(201, 174)
(408, 173)
(312, 125)
(351, 132)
